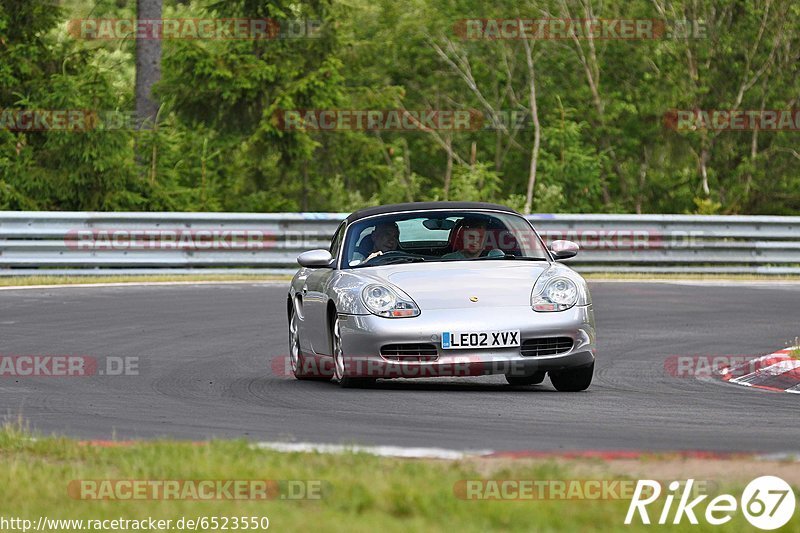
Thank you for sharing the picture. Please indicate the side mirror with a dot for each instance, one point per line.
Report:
(564, 249)
(315, 259)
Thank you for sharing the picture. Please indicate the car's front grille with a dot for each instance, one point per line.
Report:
(409, 352)
(546, 346)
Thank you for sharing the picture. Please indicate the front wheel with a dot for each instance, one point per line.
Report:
(339, 361)
(573, 379)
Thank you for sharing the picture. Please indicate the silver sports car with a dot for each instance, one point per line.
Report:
(440, 289)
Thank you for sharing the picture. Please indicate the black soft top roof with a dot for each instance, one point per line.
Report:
(423, 206)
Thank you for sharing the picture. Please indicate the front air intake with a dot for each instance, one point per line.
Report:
(546, 346)
(413, 352)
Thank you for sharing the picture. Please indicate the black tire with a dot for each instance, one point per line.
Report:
(519, 381)
(574, 379)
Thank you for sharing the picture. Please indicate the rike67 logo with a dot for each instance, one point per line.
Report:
(768, 502)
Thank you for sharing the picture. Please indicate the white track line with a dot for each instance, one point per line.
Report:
(441, 453)
(381, 451)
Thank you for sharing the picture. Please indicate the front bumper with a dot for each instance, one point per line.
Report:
(364, 335)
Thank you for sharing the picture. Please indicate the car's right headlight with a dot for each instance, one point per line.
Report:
(385, 301)
(556, 291)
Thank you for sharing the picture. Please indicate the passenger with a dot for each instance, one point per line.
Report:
(472, 241)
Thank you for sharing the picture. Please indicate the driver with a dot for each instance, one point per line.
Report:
(385, 238)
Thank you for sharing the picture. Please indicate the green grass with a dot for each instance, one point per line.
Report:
(361, 492)
(796, 352)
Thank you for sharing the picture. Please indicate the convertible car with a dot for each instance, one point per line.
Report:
(440, 289)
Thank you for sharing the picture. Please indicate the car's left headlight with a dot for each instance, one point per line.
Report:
(555, 291)
(388, 302)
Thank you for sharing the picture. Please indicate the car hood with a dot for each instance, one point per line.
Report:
(450, 285)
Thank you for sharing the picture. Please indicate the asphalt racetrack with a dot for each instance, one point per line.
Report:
(204, 370)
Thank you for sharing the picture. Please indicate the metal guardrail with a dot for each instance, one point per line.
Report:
(33, 242)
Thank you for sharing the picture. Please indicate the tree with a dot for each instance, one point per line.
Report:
(148, 62)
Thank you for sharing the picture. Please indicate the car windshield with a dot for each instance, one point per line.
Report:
(441, 236)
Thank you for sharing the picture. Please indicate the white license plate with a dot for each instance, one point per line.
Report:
(455, 340)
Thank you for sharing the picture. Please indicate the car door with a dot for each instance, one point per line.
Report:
(315, 299)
